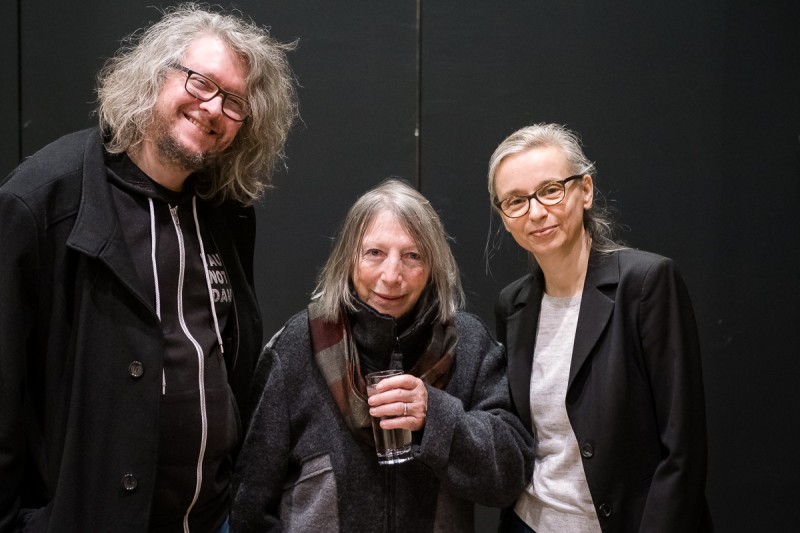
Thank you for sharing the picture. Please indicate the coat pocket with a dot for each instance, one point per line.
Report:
(310, 502)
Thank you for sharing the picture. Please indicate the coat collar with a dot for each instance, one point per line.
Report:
(521, 327)
(97, 232)
(597, 305)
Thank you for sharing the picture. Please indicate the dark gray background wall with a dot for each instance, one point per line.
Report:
(690, 109)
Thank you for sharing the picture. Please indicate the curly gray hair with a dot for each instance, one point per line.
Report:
(129, 83)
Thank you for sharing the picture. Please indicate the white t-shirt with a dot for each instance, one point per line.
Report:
(557, 499)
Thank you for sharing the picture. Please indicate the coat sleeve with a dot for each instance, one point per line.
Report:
(262, 463)
(474, 443)
(676, 501)
(18, 245)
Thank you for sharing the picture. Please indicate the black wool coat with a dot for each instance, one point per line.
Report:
(81, 346)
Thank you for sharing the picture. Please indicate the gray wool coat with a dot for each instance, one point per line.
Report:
(301, 468)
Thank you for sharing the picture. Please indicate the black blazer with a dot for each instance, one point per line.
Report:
(635, 392)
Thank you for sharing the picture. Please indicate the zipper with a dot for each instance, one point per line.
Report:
(200, 370)
(396, 358)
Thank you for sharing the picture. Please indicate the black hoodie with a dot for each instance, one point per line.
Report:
(198, 423)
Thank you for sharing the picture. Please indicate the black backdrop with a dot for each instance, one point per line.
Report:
(691, 110)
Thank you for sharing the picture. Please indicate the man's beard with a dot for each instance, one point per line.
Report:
(171, 151)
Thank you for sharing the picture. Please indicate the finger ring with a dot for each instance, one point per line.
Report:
(405, 409)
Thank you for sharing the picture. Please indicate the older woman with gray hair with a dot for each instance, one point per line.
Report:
(388, 297)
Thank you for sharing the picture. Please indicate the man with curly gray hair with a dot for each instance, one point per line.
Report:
(129, 325)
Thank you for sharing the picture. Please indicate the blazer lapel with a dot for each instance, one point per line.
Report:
(521, 326)
(596, 308)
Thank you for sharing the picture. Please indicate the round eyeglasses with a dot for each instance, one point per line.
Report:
(550, 193)
(204, 89)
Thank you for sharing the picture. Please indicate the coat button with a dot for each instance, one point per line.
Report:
(129, 482)
(605, 510)
(136, 369)
(587, 450)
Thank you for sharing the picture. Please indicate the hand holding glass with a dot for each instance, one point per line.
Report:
(393, 446)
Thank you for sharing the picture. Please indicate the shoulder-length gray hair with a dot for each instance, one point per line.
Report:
(597, 219)
(421, 222)
(129, 84)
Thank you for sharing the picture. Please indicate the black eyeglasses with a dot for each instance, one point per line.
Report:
(550, 193)
(234, 107)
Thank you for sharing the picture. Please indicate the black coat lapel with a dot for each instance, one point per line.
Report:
(521, 327)
(596, 308)
(97, 232)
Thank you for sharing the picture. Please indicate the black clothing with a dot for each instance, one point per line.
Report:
(84, 356)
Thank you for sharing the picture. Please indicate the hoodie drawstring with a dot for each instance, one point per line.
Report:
(208, 276)
(205, 270)
(198, 348)
(155, 279)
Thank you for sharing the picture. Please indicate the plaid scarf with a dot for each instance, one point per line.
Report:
(337, 358)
